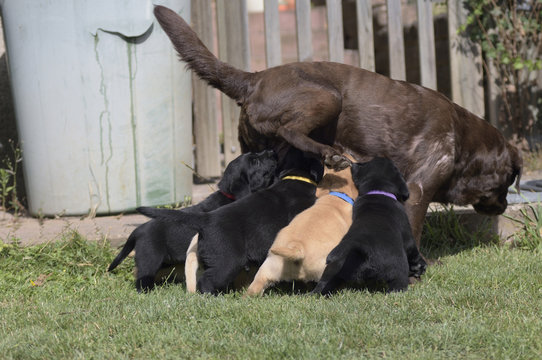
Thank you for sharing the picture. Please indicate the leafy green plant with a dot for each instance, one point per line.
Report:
(509, 34)
(530, 235)
(8, 181)
(187, 201)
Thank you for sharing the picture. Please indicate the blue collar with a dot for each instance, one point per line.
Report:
(343, 196)
(378, 192)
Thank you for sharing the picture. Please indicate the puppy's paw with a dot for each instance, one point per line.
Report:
(337, 162)
(417, 269)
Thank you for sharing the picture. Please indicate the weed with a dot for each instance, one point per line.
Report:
(187, 201)
(8, 181)
(445, 233)
(532, 160)
(530, 235)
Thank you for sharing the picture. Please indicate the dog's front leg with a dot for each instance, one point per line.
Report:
(416, 216)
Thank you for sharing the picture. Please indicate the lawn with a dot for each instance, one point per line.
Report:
(483, 301)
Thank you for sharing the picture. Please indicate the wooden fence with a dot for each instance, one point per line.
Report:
(230, 20)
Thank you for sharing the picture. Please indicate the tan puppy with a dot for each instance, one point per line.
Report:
(299, 251)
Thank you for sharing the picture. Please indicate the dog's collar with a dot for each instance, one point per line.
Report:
(229, 196)
(378, 192)
(299, 178)
(343, 196)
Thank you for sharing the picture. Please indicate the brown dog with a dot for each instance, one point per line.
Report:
(451, 154)
(300, 249)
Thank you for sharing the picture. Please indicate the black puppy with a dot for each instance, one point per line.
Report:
(378, 251)
(160, 243)
(239, 235)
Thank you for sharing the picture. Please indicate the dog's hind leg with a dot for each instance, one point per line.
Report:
(148, 260)
(330, 280)
(267, 275)
(146, 273)
(314, 108)
(191, 265)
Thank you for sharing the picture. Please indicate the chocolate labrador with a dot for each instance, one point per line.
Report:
(325, 108)
(158, 243)
(378, 251)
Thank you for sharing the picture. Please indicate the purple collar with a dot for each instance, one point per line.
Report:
(378, 192)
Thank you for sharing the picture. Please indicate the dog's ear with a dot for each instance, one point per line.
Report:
(357, 172)
(403, 194)
(257, 175)
(402, 191)
(416, 193)
(316, 168)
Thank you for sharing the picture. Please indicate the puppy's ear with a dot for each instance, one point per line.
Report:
(357, 171)
(402, 193)
(257, 179)
(316, 169)
(416, 193)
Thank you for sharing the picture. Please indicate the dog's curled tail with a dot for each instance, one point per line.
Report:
(294, 251)
(194, 220)
(128, 247)
(233, 82)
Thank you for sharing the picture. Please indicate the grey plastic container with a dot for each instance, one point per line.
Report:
(103, 106)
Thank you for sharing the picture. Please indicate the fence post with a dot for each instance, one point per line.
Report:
(426, 44)
(273, 55)
(304, 31)
(335, 30)
(465, 63)
(364, 15)
(396, 41)
(232, 17)
(205, 123)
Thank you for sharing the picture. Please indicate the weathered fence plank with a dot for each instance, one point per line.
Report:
(335, 30)
(396, 41)
(205, 124)
(364, 14)
(426, 44)
(273, 55)
(234, 48)
(304, 31)
(465, 63)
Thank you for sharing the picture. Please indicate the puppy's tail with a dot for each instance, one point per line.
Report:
(294, 251)
(194, 220)
(128, 247)
(231, 81)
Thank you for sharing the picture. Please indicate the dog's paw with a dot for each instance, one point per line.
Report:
(417, 269)
(337, 162)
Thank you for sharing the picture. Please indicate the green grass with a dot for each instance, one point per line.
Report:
(57, 301)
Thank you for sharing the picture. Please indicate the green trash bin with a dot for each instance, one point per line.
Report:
(103, 106)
